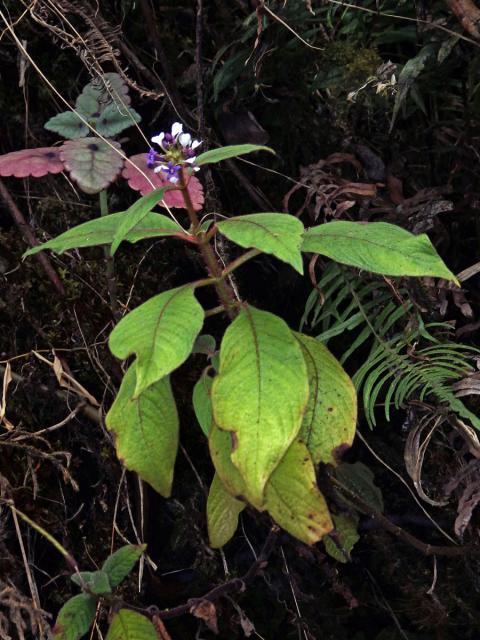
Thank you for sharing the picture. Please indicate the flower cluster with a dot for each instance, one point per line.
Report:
(177, 150)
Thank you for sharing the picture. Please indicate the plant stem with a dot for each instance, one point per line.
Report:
(224, 291)
(110, 265)
(29, 236)
(43, 532)
(240, 260)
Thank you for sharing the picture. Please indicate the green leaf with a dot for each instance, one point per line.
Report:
(146, 430)
(293, 499)
(202, 402)
(278, 234)
(346, 537)
(91, 162)
(328, 426)
(102, 231)
(412, 69)
(68, 125)
(97, 581)
(260, 394)
(205, 344)
(161, 332)
(114, 119)
(134, 215)
(378, 247)
(130, 625)
(222, 514)
(75, 617)
(220, 445)
(231, 151)
(358, 479)
(97, 95)
(119, 565)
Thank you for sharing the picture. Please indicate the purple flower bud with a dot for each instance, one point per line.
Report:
(151, 158)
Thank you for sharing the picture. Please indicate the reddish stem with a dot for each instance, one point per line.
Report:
(224, 291)
(30, 238)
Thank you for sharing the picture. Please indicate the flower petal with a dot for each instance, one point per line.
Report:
(191, 160)
(185, 139)
(158, 139)
(196, 143)
(177, 129)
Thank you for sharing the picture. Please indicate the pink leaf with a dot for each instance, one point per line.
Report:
(31, 162)
(138, 182)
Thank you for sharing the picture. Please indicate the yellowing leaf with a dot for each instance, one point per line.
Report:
(130, 625)
(328, 426)
(260, 394)
(293, 499)
(146, 430)
(222, 514)
(220, 444)
(161, 332)
(278, 234)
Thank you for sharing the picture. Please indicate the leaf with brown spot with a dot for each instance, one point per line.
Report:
(329, 422)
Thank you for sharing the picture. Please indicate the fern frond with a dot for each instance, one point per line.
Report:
(398, 368)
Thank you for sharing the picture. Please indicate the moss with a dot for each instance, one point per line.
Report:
(345, 66)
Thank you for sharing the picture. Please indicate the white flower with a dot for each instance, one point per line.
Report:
(158, 139)
(177, 129)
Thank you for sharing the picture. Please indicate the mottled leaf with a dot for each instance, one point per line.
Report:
(278, 234)
(68, 125)
(103, 91)
(119, 565)
(293, 499)
(329, 423)
(146, 430)
(142, 178)
(92, 163)
(378, 247)
(31, 162)
(75, 617)
(260, 394)
(222, 514)
(115, 118)
(161, 332)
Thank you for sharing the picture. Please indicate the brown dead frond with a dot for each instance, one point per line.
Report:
(327, 191)
(19, 618)
(96, 42)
